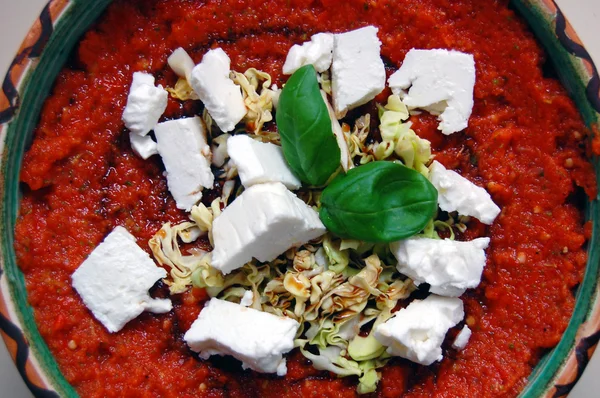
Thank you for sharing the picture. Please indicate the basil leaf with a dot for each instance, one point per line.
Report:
(307, 139)
(378, 202)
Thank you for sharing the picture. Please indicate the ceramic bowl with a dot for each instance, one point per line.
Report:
(30, 79)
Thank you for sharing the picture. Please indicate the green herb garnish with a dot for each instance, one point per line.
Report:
(378, 202)
(307, 139)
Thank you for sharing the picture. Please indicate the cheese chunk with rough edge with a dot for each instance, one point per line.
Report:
(263, 222)
(259, 162)
(114, 280)
(440, 82)
(185, 153)
(357, 71)
(181, 63)
(143, 146)
(417, 331)
(256, 338)
(220, 95)
(456, 193)
(317, 52)
(145, 104)
(450, 267)
(462, 338)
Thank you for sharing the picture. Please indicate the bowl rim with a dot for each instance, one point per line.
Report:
(554, 376)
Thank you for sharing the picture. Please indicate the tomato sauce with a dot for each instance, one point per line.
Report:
(525, 144)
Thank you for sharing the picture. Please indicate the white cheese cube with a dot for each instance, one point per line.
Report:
(357, 71)
(114, 280)
(263, 222)
(259, 162)
(185, 153)
(417, 331)
(256, 338)
(143, 145)
(450, 267)
(462, 338)
(181, 63)
(221, 97)
(441, 82)
(145, 104)
(316, 52)
(456, 193)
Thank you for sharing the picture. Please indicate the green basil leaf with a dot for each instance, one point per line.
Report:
(307, 139)
(378, 202)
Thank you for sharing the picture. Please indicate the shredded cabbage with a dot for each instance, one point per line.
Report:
(182, 90)
(334, 299)
(260, 105)
(165, 246)
(345, 159)
(399, 139)
(325, 81)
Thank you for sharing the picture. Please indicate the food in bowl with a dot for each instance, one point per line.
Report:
(524, 144)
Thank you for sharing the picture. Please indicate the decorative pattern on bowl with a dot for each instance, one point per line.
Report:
(30, 79)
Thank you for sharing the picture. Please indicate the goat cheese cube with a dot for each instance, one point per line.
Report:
(145, 104)
(263, 222)
(450, 267)
(256, 338)
(259, 162)
(456, 193)
(441, 82)
(462, 338)
(316, 52)
(114, 280)
(181, 63)
(185, 153)
(357, 71)
(417, 331)
(142, 145)
(220, 95)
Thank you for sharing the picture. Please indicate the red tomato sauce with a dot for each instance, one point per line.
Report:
(525, 144)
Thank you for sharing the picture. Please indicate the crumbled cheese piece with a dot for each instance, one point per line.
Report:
(263, 222)
(441, 82)
(181, 63)
(456, 193)
(256, 338)
(462, 338)
(114, 280)
(417, 331)
(358, 73)
(185, 153)
(221, 97)
(259, 162)
(450, 267)
(321, 258)
(276, 95)
(316, 52)
(143, 146)
(247, 299)
(145, 104)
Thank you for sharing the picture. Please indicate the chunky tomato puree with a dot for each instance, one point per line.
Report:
(525, 144)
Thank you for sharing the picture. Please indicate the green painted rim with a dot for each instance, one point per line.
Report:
(35, 87)
(572, 74)
(37, 83)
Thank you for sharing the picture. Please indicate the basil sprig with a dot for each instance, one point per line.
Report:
(307, 139)
(378, 202)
